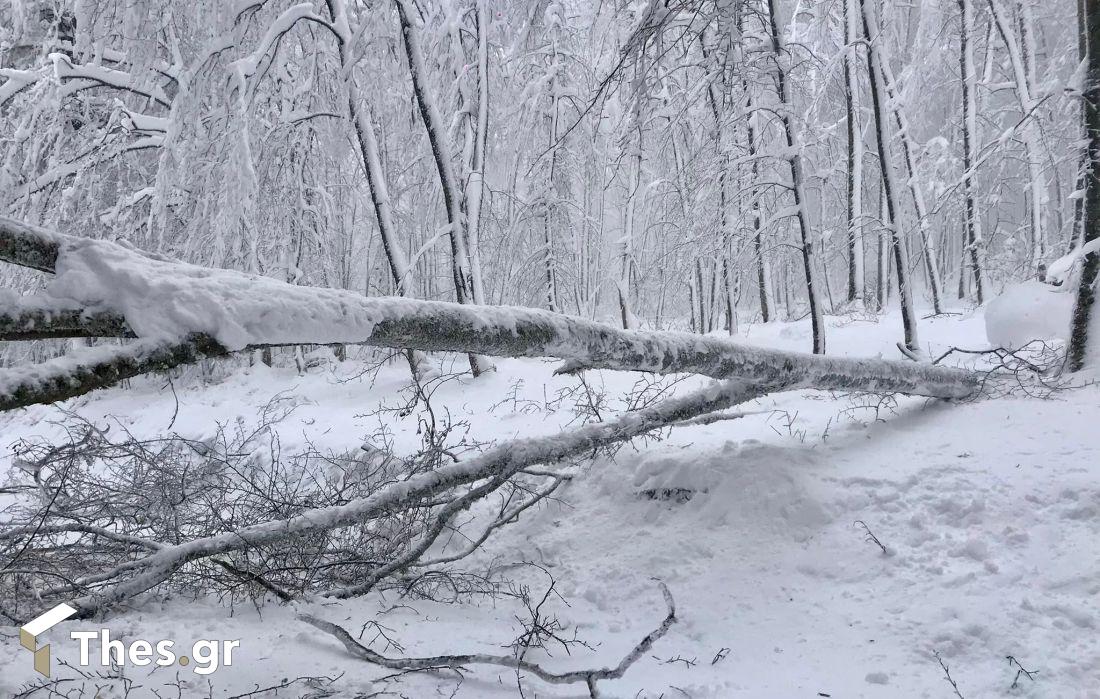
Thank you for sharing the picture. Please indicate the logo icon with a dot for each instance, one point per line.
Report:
(29, 633)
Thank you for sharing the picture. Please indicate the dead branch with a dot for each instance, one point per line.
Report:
(590, 676)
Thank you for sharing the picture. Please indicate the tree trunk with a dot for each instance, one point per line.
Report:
(362, 125)
(928, 241)
(634, 184)
(1031, 133)
(856, 275)
(437, 326)
(972, 235)
(901, 256)
(1084, 344)
(452, 198)
(794, 157)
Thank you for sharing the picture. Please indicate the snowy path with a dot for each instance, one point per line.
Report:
(990, 511)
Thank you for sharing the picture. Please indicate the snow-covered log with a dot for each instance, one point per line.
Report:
(92, 368)
(167, 300)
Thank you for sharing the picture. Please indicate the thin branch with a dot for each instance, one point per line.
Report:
(589, 677)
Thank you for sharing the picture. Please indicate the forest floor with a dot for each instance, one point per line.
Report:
(989, 512)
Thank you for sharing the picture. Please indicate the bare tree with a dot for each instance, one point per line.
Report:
(879, 99)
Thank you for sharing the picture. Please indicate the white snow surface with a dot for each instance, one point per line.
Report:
(1027, 311)
(990, 511)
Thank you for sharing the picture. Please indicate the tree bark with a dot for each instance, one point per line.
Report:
(1084, 331)
(889, 191)
(856, 275)
(817, 316)
(972, 231)
(452, 197)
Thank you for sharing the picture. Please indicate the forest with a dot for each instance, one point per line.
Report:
(549, 348)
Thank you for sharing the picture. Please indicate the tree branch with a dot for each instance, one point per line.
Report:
(589, 677)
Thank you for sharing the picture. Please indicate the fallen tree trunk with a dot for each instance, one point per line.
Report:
(91, 368)
(254, 311)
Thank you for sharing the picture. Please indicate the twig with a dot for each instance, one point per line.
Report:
(1030, 674)
(872, 538)
(947, 674)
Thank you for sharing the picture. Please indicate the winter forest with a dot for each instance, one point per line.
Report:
(549, 348)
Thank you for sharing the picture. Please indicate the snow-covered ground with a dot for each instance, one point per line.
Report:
(989, 511)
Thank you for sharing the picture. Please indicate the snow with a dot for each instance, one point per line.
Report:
(1027, 311)
(1060, 269)
(989, 509)
(162, 299)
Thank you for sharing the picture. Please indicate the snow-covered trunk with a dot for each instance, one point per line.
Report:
(856, 275)
(764, 281)
(879, 101)
(972, 235)
(882, 255)
(726, 217)
(475, 186)
(362, 124)
(794, 157)
(550, 203)
(727, 22)
(1084, 344)
(452, 195)
(734, 16)
(1032, 133)
(634, 194)
(928, 239)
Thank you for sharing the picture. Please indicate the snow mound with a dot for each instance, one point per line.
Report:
(1028, 311)
(747, 484)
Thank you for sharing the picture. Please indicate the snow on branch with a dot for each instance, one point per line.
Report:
(77, 77)
(243, 69)
(18, 80)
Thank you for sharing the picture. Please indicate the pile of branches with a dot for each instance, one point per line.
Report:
(95, 505)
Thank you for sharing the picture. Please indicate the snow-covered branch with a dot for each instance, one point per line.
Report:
(589, 677)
